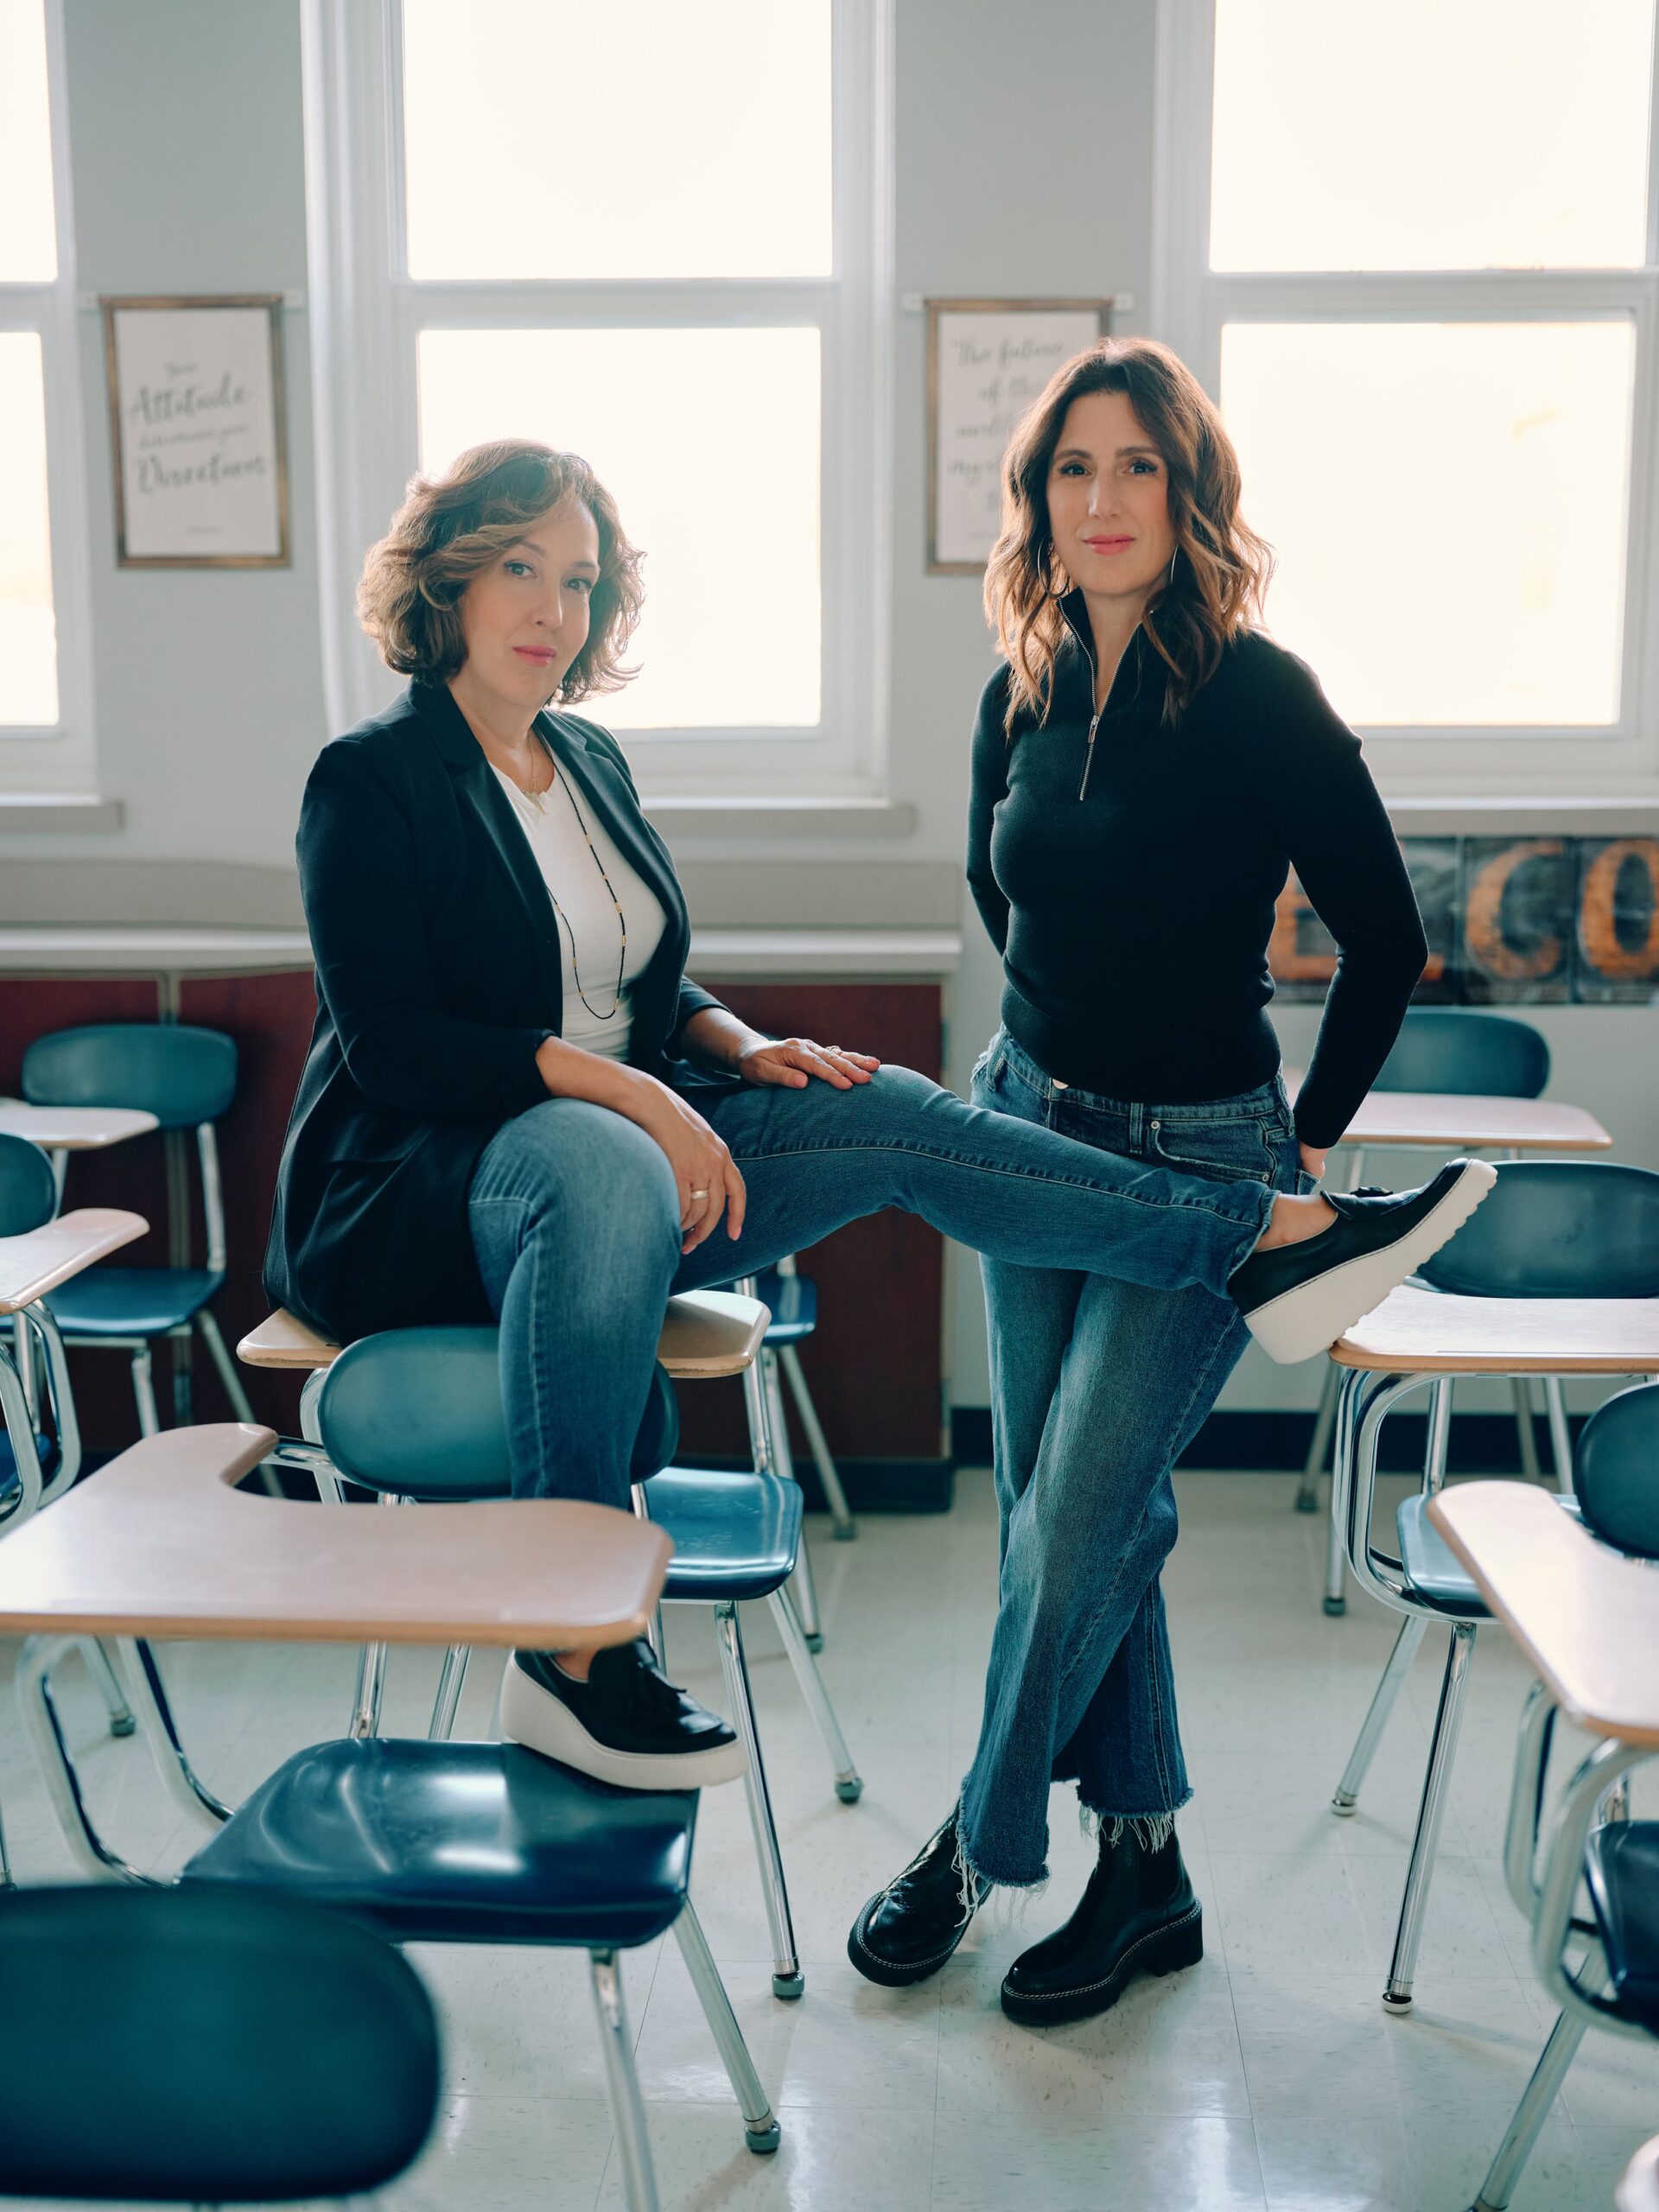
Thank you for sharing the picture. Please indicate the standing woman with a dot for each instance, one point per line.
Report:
(518, 1107)
(1146, 766)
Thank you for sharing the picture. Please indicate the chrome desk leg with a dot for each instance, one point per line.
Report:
(1560, 1433)
(370, 1675)
(144, 1391)
(622, 2083)
(109, 1686)
(787, 1980)
(450, 1682)
(1396, 1998)
(1440, 1434)
(783, 1464)
(1559, 2049)
(818, 1445)
(1342, 1477)
(208, 1329)
(1394, 1674)
(655, 1634)
(760, 2128)
(38, 1656)
(1521, 1389)
(767, 1458)
(1307, 1498)
(149, 1702)
(848, 1788)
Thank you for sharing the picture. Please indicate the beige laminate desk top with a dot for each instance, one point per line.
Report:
(1435, 1332)
(1445, 1120)
(32, 1265)
(706, 1334)
(1588, 1618)
(159, 1543)
(73, 1129)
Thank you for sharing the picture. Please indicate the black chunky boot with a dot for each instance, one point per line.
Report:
(909, 1929)
(1138, 1915)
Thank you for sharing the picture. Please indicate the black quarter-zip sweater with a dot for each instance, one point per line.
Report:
(1134, 922)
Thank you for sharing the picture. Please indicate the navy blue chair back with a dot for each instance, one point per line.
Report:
(418, 1413)
(1476, 1055)
(190, 2046)
(28, 1196)
(1557, 1229)
(1616, 1472)
(183, 1075)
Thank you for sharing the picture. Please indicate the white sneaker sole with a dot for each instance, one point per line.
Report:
(1310, 1319)
(533, 1717)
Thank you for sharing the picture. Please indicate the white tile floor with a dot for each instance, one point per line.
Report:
(1267, 2078)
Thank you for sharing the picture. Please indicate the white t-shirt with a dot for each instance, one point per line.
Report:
(591, 930)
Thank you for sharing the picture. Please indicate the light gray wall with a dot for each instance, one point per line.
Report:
(188, 159)
(1024, 165)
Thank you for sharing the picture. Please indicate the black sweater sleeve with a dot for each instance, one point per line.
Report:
(404, 1050)
(1343, 850)
(989, 785)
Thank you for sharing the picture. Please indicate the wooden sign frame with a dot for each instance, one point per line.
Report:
(272, 303)
(1100, 309)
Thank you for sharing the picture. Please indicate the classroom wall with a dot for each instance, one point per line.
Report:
(1024, 165)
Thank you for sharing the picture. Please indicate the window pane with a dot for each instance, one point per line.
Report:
(28, 250)
(709, 441)
(1447, 501)
(1430, 134)
(28, 650)
(642, 138)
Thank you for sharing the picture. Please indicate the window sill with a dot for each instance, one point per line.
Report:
(721, 816)
(59, 811)
(1530, 814)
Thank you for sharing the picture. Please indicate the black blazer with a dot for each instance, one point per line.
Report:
(439, 975)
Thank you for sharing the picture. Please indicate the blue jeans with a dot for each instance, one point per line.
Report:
(1097, 1385)
(574, 1219)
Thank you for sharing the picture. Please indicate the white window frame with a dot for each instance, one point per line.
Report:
(366, 313)
(42, 759)
(1190, 304)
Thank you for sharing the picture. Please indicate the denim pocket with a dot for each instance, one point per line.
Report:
(1225, 1152)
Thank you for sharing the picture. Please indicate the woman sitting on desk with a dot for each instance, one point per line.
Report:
(516, 1106)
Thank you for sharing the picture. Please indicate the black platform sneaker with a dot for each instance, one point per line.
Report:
(1298, 1298)
(626, 1724)
(909, 1929)
(1137, 1915)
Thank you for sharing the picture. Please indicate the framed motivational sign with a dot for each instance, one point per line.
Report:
(987, 361)
(197, 432)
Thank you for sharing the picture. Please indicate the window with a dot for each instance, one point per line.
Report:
(45, 700)
(672, 263)
(1409, 250)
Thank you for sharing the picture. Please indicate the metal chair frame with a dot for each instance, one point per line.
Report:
(1596, 1791)
(1365, 1402)
(202, 1322)
(787, 1978)
(41, 1653)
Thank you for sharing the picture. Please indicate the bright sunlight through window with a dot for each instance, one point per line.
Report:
(708, 440)
(1448, 503)
(29, 653)
(1430, 134)
(644, 138)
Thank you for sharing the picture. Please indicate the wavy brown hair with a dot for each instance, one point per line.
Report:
(452, 527)
(1222, 568)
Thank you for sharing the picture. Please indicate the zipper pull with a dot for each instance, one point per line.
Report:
(1089, 755)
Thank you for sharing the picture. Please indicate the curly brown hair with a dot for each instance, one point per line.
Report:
(451, 527)
(1222, 568)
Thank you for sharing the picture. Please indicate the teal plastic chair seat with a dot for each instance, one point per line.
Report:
(1430, 1566)
(734, 1535)
(132, 1301)
(462, 1843)
(244, 2049)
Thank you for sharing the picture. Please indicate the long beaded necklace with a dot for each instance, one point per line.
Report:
(537, 800)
